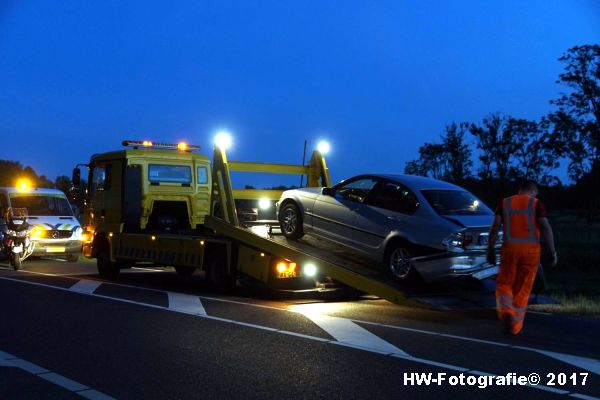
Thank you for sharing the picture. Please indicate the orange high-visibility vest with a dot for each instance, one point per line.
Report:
(520, 224)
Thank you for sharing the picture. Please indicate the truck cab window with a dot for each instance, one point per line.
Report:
(202, 175)
(98, 179)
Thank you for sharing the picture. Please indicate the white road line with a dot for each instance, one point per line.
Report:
(149, 269)
(8, 360)
(588, 364)
(346, 331)
(185, 303)
(85, 286)
(63, 382)
(288, 333)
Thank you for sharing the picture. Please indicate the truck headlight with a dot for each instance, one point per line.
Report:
(454, 242)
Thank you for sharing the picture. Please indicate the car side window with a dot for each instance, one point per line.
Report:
(394, 197)
(356, 191)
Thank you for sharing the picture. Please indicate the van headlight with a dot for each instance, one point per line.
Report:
(454, 242)
(77, 233)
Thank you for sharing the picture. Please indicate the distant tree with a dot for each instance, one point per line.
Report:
(11, 171)
(64, 183)
(538, 150)
(432, 162)
(449, 160)
(457, 152)
(497, 145)
(577, 118)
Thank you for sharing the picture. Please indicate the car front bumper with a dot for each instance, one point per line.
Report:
(443, 266)
(56, 247)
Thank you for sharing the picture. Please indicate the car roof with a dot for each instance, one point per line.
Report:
(416, 182)
(32, 190)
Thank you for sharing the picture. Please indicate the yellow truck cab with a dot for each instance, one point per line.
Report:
(149, 187)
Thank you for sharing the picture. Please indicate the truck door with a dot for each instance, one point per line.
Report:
(104, 196)
(132, 198)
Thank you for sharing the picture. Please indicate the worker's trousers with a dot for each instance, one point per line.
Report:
(518, 267)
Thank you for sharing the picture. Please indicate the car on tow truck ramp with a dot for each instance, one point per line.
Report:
(413, 224)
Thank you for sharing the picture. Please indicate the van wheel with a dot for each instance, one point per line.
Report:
(72, 258)
(398, 264)
(106, 268)
(290, 221)
(185, 271)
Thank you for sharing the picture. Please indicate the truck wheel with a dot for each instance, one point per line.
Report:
(216, 273)
(106, 268)
(398, 263)
(72, 257)
(185, 271)
(290, 221)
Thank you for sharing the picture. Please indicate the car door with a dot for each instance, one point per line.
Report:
(388, 208)
(334, 215)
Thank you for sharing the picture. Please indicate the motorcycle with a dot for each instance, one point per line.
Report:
(16, 241)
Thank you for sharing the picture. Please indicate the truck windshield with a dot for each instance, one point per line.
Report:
(43, 204)
(455, 202)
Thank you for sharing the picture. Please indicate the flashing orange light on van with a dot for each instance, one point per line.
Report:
(23, 184)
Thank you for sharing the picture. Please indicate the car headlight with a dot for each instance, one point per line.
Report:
(454, 242)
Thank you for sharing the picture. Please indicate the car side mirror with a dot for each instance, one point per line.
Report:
(76, 178)
(327, 191)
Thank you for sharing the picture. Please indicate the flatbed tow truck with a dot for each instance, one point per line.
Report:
(166, 204)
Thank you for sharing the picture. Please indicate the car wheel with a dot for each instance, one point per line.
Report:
(398, 263)
(72, 258)
(185, 271)
(290, 221)
(106, 268)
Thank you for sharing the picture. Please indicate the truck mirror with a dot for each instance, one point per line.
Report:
(76, 178)
(327, 191)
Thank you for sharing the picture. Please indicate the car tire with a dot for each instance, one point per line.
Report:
(290, 221)
(107, 269)
(72, 258)
(185, 271)
(397, 262)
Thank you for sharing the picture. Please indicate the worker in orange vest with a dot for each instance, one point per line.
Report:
(524, 220)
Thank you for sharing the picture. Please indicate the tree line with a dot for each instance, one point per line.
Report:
(509, 149)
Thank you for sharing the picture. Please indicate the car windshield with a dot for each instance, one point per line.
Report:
(455, 202)
(43, 204)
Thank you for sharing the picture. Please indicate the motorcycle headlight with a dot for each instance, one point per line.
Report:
(454, 242)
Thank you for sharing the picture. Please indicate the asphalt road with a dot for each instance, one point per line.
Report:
(66, 334)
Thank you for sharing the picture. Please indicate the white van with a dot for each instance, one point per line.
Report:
(56, 231)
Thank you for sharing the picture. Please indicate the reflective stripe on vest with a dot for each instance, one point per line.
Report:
(529, 212)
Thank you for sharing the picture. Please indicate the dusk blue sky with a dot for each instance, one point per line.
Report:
(375, 78)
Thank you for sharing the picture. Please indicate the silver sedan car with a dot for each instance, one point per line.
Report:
(392, 219)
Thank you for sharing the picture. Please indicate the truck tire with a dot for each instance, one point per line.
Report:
(185, 271)
(107, 269)
(290, 221)
(217, 276)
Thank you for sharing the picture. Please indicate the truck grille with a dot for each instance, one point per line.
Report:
(55, 234)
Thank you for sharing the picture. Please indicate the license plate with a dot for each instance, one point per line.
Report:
(287, 274)
(54, 249)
